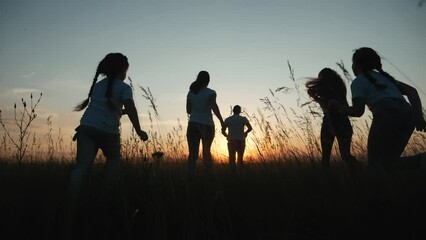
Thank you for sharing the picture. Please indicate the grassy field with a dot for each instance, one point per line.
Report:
(281, 193)
(265, 200)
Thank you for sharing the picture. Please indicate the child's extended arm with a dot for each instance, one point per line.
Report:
(224, 130)
(356, 110)
(249, 128)
(416, 104)
(131, 111)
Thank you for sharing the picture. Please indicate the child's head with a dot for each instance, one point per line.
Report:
(236, 109)
(328, 84)
(114, 65)
(327, 73)
(365, 59)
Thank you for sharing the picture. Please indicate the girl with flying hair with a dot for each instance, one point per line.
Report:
(100, 129)
(394, 119)
(327, 86)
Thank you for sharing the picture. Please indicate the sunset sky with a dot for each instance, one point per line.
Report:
(54, 46)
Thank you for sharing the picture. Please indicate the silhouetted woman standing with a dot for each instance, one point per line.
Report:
(327, 86)
(394, 119)
(200, 103)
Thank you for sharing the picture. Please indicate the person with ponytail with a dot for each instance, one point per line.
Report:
(200, 103)
(100, 129)
(330, 86)
(394, 119)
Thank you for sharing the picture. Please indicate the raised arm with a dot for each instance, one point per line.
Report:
(416, 104)
(249, 128)
(357, 109)
(130, 109)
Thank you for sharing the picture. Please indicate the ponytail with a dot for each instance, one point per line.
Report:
(202, 80)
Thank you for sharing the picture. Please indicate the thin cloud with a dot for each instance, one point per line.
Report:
(24, 90)
(29, 75)
(20, 92)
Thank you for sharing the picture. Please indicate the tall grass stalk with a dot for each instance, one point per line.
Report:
(22, 120)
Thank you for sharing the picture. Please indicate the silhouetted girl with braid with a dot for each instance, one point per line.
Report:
(99, 129)
(394, 119)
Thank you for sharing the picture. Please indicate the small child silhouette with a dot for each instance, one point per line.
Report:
(236, 135)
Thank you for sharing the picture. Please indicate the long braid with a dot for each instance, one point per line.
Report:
(84, 103)
(111, 66)
(109, 91)
(387, 75)
(373, 80)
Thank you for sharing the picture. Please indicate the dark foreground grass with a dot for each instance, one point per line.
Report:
(278, 200)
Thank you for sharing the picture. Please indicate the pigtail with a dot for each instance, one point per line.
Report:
(111, 66)
(109, 91)
(387, 75)
(373, 81)
(84, 103)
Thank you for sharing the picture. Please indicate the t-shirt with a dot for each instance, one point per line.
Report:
(201, 109)
(235, 124)
(100, 114)
(361, 87)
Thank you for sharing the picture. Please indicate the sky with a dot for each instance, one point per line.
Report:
(53, 47)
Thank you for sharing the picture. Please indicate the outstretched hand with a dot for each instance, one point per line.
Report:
(224, 132)
(142, 134)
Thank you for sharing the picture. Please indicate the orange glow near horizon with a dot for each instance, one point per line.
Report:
(220, 149)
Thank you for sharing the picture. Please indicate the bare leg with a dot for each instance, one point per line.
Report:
(327, 139)
(240, 151)
(207, 136)
(193, 137)
(232, 152)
